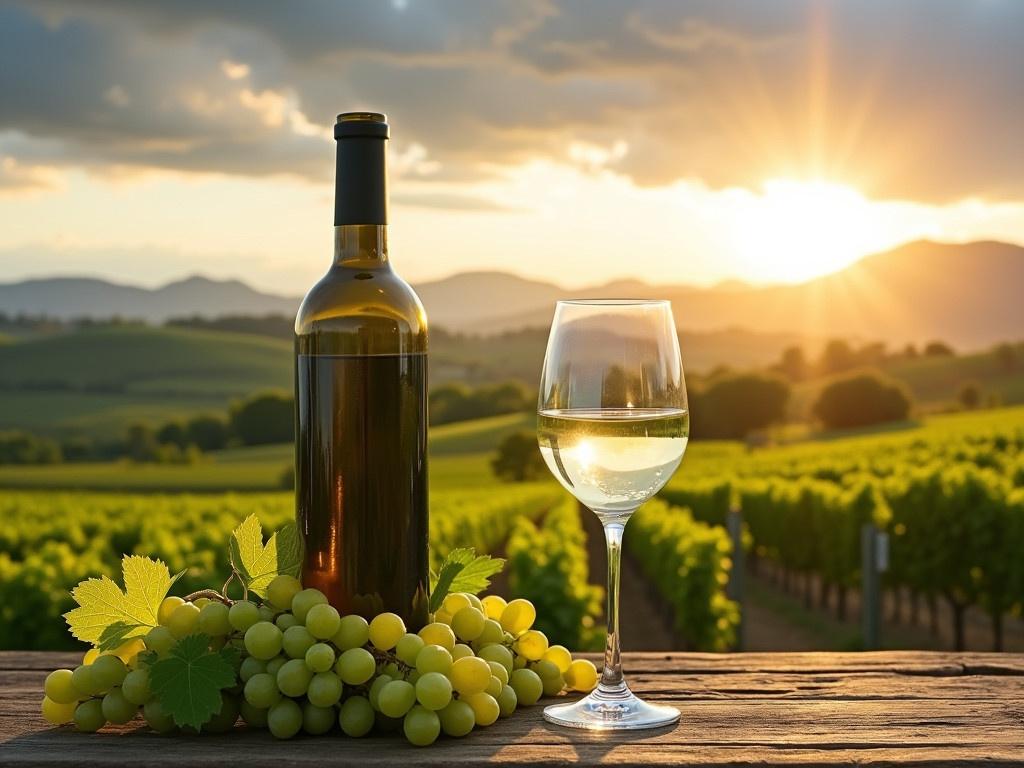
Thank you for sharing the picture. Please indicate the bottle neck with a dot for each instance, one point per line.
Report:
(361, 246)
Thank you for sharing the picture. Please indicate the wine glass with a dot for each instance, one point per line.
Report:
(612, 425)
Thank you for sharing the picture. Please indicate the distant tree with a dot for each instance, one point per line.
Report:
(208, 433)
(910, 352)
(519, 458)
(78, 449)
(970, 395)
(23, 448)
(455, 402)
(938, 349)
(872, 354)
(732, 407)
(264, 418)
(141, 444)
(1006, 357)
(837, 357)
(861, 399)
(793, 364)
(172, 433)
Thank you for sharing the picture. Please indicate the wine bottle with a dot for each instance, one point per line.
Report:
(361, 403)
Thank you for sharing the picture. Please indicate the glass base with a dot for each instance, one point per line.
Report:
(611, 709)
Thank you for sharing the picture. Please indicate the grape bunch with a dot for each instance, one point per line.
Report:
(305, 667)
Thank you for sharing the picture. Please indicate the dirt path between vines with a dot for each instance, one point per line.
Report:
(645, 620)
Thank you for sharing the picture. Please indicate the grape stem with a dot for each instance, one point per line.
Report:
(209, 594)
(387, 657)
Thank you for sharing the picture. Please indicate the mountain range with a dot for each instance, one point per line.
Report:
(965, 294)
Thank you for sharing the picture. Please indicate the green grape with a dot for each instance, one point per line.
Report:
(391, 668)
(421, 726)
(385, 629)
(58, 713)
(475, 601)
(323, 621)
(518, 616)
(89, 716)
(157, 718)
(324, 689)
(213, 619)
(461, 650)
(457, 719)
(356, 717)
(374, 695)
(519, 662)
(408, 647)
(485, 708)
(553, 685)
(60, 688)
(136, 687)
(108, 671)
(225, 720)
(117, 709)
(559, 656)
(492, 633)
(284, 718)
(353, 632)
(183, 620)
(414, 676)
(531, 645)
(498, 670)
(494, 686)
(263, 640)
(261, 690)
(254, 716)
(396, 698)
(493, 606)
(320, 657)
(527, 685)
(304, 600)
(455, 602)
(160, 640)
(275, 664)
(317, 721)
(546, 670)
(294, 677)
(201, 601)
(266, 613)
(286, 621)
(443, 617)
(167, 606)
(468, 623)
(90, 656)
(500, 654)
(86, 682)
(433, 690)
(438, 634)
(251, 666)
(433, 658)
(296, 641)
(507, 700)
(281, 590)
(582, 675)
(243, 614)
(470, 675)
(355, 666)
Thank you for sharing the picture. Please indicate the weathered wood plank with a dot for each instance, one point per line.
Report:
(739, 709)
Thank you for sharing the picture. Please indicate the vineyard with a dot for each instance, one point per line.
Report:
(950, 496)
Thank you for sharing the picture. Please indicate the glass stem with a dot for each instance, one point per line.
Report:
(612, 683)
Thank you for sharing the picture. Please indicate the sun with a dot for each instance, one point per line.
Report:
(795, 230)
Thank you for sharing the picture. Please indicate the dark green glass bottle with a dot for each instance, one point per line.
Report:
(361, 403)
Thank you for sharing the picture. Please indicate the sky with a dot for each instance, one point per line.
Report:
(575, 142)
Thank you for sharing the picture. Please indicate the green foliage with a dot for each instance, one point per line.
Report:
(462, 571)
(548, 566)
(861, 399)
(519, 459)
(188, 681)
(454, 402)
(733, 406)
(264, 418)
(207, 432)
(22, 448)
(256, 563)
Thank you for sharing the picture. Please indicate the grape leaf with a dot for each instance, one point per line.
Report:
(188, 681)
(462, 571)
(105, 611)
(257, 563)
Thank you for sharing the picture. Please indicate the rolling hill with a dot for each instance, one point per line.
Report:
(964, 294)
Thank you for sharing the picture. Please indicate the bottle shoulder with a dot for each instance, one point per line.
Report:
(361, 312)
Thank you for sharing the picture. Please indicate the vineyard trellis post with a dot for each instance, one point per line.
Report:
(874, 552)
(734, 589)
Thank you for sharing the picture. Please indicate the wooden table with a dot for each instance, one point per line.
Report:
(739, 709)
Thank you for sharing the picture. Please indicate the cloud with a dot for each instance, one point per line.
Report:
(916, 100)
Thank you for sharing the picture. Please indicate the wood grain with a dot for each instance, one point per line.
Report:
(909, 708)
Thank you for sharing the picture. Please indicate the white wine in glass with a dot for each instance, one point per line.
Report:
(612, 425)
